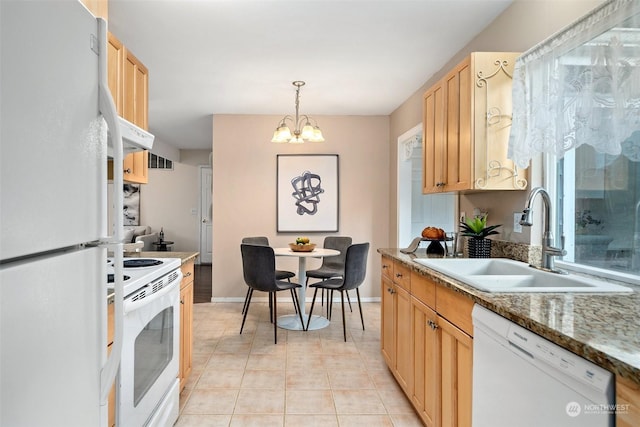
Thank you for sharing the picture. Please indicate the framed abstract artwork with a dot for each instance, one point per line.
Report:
(131, 204)
(307, 193)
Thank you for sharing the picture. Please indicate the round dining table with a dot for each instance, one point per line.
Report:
(292, 321)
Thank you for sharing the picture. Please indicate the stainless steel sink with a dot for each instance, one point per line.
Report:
(505, 275)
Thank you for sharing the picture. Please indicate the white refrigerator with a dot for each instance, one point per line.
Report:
(55, 109)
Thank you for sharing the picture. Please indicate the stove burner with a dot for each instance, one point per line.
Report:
(111, 278)
(133, 263)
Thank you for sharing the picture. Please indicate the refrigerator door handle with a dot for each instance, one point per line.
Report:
(108, 109)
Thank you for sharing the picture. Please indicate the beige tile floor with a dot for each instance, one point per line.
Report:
(308, 379)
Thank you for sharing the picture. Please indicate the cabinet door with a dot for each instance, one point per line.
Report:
(426, 351)
(404, 356)
(387, 329)
(135, 109)
(115, 65)
(433, 161)
(186, 332)
(492, 108)
(458, 144)
(99, 8)
(628, 399)
(456, 359)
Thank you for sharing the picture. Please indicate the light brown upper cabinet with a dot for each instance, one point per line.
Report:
(129, 85)
(99, 8)
(467, 120)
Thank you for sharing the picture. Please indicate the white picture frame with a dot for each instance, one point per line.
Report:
(307, 193)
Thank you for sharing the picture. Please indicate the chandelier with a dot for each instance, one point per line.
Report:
(308, 132)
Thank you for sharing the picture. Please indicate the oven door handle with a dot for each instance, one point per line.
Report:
(130, 305)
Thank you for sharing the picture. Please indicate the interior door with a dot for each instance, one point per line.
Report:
(206, 211)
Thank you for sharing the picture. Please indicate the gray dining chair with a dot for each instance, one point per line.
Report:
(280, 274)
(332, 266)
(355, 270)
(259, 270)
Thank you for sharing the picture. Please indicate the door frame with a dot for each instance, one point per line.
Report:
(406, 142)
(202, 214)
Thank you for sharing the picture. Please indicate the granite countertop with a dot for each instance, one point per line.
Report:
(603, 328)
(184, 256)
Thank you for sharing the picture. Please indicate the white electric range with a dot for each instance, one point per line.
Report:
(147, 385)
(139, 272)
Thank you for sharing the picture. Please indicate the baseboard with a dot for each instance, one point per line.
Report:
(285, 299)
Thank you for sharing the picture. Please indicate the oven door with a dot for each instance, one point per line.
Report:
(149, 366)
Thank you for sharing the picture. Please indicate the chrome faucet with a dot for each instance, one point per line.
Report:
(548, 250)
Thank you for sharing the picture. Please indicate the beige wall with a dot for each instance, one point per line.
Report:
(521, 26)
(167, 200)
(244, 190)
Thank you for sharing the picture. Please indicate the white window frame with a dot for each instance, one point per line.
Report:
(568, 218)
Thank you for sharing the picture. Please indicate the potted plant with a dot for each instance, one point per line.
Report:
(477, 230)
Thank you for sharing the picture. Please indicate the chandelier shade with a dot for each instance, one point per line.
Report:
(303, 130)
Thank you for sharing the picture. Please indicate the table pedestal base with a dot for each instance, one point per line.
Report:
(292, 322)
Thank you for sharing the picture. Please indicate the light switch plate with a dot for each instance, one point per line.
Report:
(517, 228)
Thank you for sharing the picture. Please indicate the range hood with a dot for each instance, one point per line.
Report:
(134, 138)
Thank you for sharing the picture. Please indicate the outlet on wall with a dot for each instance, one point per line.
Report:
(463, 216)
(517, 228)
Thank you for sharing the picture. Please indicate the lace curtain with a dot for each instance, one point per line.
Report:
(581, 86)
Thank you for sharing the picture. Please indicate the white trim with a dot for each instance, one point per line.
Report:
(403, 191)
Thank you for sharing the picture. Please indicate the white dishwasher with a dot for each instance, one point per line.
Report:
(523, 380)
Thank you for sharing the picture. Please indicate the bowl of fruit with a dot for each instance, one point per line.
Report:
(302, 244)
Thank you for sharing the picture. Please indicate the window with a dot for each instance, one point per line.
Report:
(598, 200)
(157, 162)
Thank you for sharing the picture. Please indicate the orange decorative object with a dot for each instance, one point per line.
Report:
(433, 233)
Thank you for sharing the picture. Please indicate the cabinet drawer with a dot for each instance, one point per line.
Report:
(387, 267)
(455, 307)
(402, 276)
(423, 289)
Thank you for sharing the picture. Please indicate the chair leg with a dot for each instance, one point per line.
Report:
(349, 301)
(246, 298)
(322, 297)
(298, 311)
(360, 307)
(244, 315)
(344, 324)
(270, 308)
(275, 319)
(313, 301)
(293, 297)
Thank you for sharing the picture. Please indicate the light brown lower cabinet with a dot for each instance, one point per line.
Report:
(404, 360)
(426, 342)
(186, 322)
(396, 329)
(427, 345)
(456, 362)
(628, 402)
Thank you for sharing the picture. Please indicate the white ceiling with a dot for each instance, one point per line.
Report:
(358, 57)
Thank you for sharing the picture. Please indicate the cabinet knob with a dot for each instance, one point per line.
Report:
(188, 274)
(432, 325)
(385, 266)
(127, 170)
(398, 275)
(182, 302)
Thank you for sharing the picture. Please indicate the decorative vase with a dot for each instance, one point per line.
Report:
(435, 248)
(479, 248)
